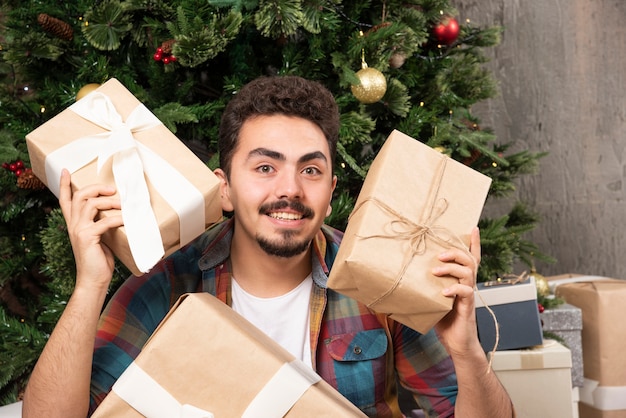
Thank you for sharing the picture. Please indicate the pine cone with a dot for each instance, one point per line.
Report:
(166, 46)
(55, 26)
(28, 180)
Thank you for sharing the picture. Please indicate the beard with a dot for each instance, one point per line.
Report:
(288, 246)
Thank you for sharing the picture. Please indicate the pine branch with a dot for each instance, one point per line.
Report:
(106, 24)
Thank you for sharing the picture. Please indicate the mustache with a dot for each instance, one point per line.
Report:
(294, 205)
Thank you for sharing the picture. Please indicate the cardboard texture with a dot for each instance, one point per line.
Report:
(68, 129)
(415, 203)
(601, 301)
(515, 309)
(537, 380)
(206, 355)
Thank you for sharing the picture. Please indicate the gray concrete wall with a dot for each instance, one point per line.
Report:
(562, 73)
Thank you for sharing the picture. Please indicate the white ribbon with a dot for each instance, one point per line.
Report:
(150, 399)
(274, 400)
(282, 391)
(604, 398)
(131, 160)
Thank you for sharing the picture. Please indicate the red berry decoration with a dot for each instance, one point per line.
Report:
(540, 307)
(16, 167)
(447, 31)
(163, 53)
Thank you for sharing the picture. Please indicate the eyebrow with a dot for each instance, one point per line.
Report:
(281, 157)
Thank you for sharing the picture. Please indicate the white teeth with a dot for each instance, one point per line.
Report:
(285, 215)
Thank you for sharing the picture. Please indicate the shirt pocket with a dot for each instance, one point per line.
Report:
(360, 366)
(358, 346)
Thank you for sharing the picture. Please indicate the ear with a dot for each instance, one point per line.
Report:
(332, 190)
(227, 205)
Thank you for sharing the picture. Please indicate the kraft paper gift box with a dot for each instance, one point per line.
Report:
(205, 360)
(169, 196)
(537, 380)
(514, 305)
(602, 302)
(415, 203)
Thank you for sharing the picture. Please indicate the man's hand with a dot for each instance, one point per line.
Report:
(457, 330)
(94, 260)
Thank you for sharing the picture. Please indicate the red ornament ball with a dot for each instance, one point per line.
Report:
(157, 56)
(447, 31)
(540, 307)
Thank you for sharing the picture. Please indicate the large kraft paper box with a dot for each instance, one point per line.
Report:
(514, 306)
(602, 302)
(169, 196)
(206, 358)
(414, 204)
(537, 380)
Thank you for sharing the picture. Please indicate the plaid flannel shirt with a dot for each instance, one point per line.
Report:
(360, 353)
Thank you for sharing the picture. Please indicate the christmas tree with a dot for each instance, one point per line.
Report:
(410, 65)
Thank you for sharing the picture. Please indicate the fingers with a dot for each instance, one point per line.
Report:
(461, 264)
(475, 244)
(84, 205)
(65, 192)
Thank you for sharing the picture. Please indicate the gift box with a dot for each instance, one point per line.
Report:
(514, 307)
(538, 379)
(415, 203)
(601, 301)
(169, 196)
(205, 360)
(565, 322)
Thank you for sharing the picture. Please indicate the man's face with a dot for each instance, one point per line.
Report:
(281, 183)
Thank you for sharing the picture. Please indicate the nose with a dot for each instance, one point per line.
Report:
(289, 185)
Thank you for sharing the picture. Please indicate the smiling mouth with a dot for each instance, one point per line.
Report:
(285, 216)
(296, 212)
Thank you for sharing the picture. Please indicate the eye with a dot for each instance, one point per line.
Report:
(312, 171)
(265, 169)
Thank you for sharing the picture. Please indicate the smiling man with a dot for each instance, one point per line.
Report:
(270, 262)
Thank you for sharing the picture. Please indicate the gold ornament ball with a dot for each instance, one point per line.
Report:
(373, 85)
(86, 89)
(543, 288)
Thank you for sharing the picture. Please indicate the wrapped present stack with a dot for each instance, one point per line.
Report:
(601, 301)
(168, 195)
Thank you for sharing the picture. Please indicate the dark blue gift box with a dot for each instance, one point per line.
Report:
(514, 304)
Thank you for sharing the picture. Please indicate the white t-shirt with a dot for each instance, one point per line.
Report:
(284, 318)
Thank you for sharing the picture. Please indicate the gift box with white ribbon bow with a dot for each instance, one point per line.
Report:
(169, 196)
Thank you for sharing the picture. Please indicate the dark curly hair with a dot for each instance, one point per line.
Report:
(286, 95)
